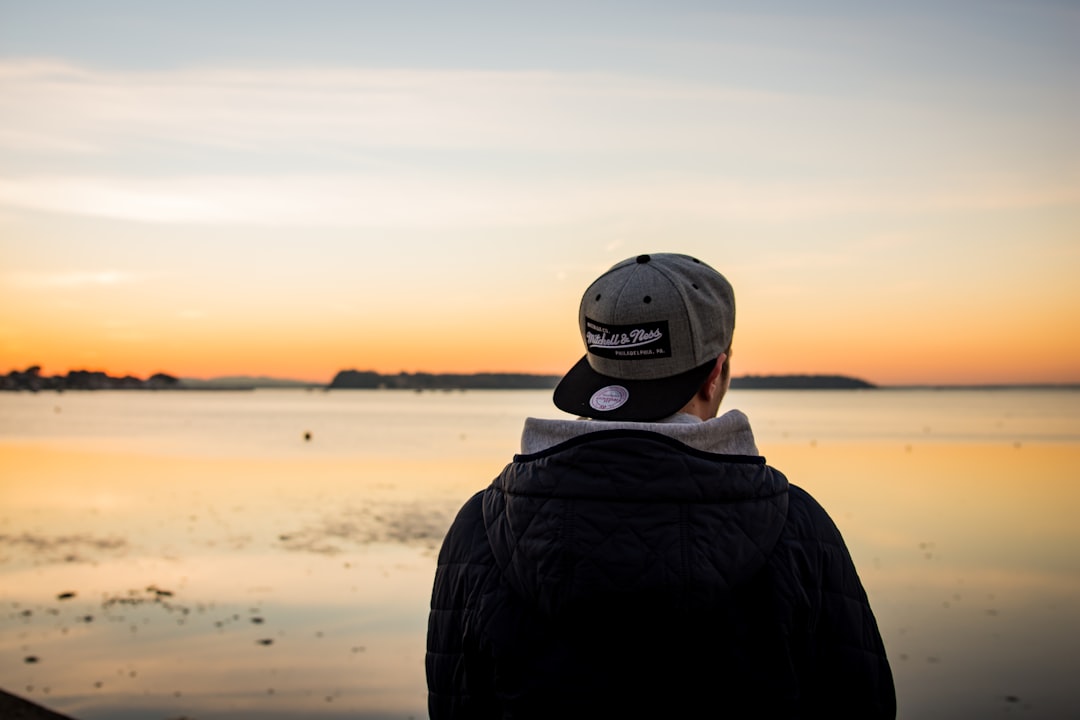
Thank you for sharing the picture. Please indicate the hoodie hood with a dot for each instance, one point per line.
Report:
(632, 515)
(728, 434)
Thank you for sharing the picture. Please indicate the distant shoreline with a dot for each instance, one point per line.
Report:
(986, 387)
(31, 380)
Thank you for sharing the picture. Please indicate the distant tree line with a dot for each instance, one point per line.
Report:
(799, 382)
(370, 380)
(32, 380)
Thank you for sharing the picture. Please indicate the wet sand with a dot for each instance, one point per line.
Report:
(13, 707)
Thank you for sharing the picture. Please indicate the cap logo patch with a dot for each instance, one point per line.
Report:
(641, 341)
(609, 398)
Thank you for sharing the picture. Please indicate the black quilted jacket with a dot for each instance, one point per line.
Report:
(624, 574)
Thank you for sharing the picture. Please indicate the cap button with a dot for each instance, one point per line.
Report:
(642, 259)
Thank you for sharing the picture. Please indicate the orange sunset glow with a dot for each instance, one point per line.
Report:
(247, 327)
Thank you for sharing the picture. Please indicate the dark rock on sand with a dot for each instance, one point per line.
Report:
(13, 707)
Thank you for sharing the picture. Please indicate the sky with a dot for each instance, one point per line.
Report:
(295, 188)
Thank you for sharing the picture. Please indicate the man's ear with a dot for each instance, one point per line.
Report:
(714, 383)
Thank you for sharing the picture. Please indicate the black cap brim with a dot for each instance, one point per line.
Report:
(645, 400)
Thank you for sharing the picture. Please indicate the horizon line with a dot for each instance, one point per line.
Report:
(927, 385)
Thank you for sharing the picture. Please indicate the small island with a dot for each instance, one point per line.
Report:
(370, 380)
(31, 379)
(799, 382)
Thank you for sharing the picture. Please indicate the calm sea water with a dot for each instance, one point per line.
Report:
(270, 554)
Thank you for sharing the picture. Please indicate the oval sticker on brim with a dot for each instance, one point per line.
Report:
(609, 398)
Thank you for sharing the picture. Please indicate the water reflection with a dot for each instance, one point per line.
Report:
(972, 561)
(215, 587)
(171, 573)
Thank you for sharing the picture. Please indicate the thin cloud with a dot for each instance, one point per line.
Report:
(52, 106)
(69, 280)
(455, 148)
(429, 200)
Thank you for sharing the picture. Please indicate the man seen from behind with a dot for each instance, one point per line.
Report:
(643, 560)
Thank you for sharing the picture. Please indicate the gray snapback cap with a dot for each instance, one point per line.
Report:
(653, 327)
